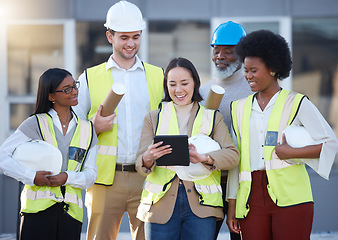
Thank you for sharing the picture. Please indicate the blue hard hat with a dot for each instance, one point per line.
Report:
(228, 33)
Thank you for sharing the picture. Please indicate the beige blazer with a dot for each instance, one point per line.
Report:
(225, 158)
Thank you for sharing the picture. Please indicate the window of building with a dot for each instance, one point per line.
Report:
(188, 39)
(92, 45)
(165, 40)
(31, 49)
(315, 71)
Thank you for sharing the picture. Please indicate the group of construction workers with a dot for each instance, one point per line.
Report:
(256, 178)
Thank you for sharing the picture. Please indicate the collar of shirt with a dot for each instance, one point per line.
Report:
(270, 104)
(57, 122)
(112, 64)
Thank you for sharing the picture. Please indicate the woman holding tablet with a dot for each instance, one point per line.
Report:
(52, 206)
(173, 208)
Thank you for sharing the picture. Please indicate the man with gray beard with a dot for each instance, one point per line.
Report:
(227, 73)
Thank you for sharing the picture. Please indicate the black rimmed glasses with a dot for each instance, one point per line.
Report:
(69, 90)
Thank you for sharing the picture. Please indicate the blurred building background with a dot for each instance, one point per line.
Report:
(38, 34)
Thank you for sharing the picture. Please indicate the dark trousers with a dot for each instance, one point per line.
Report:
(233, 236)
(52, 224)
(266, 220)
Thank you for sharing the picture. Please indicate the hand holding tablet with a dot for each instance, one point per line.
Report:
(180, 150)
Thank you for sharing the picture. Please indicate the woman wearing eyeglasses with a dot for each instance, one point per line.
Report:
(51, 205)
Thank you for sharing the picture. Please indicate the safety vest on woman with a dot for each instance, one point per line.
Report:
(159, 181)
(288, 181)
(100, 81)
(34, 198)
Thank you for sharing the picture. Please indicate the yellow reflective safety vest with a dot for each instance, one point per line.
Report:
(100, 81)
(34, 198)
(159, 181)
(288, 181)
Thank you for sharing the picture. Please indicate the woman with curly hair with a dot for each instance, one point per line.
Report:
(273, 198)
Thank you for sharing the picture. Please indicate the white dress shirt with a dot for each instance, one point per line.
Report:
(13, 169)
(307, 116)
(131, 110)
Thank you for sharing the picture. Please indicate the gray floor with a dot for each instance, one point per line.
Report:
(222, 236)
(226, 236)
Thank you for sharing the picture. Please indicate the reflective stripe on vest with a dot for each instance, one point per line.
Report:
(288, 182)
(159, 181)
(152, 187)
(245, 176)
(34, 198)
(69, 198)
(100, 81)
(107, 150)
(209, 189)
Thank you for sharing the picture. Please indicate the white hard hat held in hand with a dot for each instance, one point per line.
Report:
(124, 16)
(39, 155)
(197, 171)
(298, 136)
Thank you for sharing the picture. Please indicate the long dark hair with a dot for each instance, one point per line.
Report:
(185, 63)
(48, 82)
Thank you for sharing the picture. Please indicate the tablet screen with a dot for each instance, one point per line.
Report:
(180, 150)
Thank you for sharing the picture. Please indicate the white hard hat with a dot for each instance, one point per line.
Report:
(298, 136)
(39, 155)
(197, 171)
(124, 16)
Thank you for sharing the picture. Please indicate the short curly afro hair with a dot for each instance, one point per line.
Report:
(270, 47)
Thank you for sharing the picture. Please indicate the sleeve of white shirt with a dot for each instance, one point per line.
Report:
(232, 184)
(233, 177)
(84, 104)
(9, 166)
(88, 175)
(313, 121)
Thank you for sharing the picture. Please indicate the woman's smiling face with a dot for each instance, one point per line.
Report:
(257, 74)
(180, 85)
(62, 99)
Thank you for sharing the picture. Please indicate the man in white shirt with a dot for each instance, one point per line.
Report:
(228, 74)
(118, 187)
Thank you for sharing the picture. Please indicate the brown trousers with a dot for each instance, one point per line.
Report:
(107, 204)
(266, 221)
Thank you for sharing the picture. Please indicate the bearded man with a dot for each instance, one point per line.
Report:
(227, 73)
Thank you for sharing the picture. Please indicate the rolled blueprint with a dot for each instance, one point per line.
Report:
(215, 97)
(112, 99)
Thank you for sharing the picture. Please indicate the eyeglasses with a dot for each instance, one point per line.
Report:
(69, 90)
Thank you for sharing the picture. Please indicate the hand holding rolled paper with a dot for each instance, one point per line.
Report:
(112, 99)
(215, 97)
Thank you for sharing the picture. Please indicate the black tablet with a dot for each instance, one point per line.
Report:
(180, 150)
